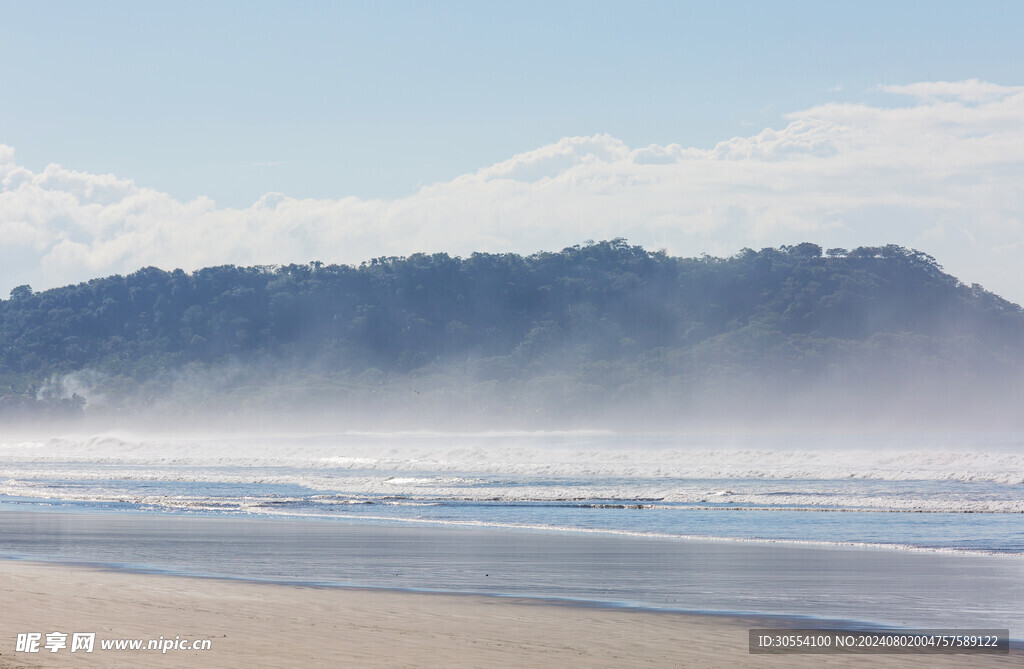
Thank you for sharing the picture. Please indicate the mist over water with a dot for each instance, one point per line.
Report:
(600, 335)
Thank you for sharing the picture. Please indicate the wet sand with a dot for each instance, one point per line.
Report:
(901, 588)
(268, 625)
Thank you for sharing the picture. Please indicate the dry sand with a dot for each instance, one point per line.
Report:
(267, 625)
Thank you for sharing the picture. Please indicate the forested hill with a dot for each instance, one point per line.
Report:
(582, 330)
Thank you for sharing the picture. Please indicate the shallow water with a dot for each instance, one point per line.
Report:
(900, 588)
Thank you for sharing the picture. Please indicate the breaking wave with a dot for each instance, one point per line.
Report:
(889, 489)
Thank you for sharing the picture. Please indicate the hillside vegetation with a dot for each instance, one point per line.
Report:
(597, 333)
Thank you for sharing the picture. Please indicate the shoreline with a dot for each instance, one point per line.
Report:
(72, 508)
(855, 587)
(257, 624)
(756, 619)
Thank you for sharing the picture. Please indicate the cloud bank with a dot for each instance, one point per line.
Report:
(940, 172)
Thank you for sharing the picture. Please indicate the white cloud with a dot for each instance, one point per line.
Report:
(971, 90)
(941, 173)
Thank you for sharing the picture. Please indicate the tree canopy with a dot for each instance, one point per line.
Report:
(609, 319)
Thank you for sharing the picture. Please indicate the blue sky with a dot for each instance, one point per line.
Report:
(214, 105)
(233, 100)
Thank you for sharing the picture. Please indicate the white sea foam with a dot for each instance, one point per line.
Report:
(763, 472)
(365, 490)
(580, 457)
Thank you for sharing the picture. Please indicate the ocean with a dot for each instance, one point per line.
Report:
(895, 529)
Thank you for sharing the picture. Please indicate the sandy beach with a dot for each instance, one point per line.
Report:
(253, 624)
